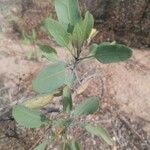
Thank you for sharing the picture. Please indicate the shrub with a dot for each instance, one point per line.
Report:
(74, 33)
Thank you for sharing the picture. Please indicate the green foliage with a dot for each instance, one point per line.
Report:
(58, 32)
(48, 52)
(27, 117)
(74, 33)
(82, 30)
(70, 78)
(112, 53)
(50, 78)
(67, 12)
(67, 99)
(88, 106)
(100, 132)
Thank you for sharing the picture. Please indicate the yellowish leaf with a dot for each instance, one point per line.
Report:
(92, 34)
(39, 102)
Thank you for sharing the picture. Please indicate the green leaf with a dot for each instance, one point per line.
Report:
(93, 49)
(70, 78)
(75, 145)
(94, 46)
(67, 99)
(50, 78)
(41, 146)
(57, 31)
(48, 52)
(112, 53)
(67, 11)
(88, 24)
(100, 132)
(27, 117)
(82, 30)
(78, 36)
(88, 106)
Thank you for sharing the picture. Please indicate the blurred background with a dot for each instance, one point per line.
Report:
(126, 21)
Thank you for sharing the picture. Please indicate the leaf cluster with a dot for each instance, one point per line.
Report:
(74, 33)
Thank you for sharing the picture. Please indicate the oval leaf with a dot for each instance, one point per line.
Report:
(50, 78)
(88, 106)
(100, 132)
(41, 146)
(67, 99)
(57, 31)
(27, 117)
(67, 11)
(112, 53)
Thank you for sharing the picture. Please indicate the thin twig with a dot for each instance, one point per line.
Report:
(87, 57)
(75, 71)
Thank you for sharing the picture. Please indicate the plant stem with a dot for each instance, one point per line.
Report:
(85, 58)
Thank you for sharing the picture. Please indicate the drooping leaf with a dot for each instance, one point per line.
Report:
(88, 106)
(41, 146)
(67, 99)
(82, 30)
(50, 78)
(39, 102)
(58, 32)
(100, 132)
(67, 11)
(48, 52)
(75, 145)
(112, 53)
(27, 117)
